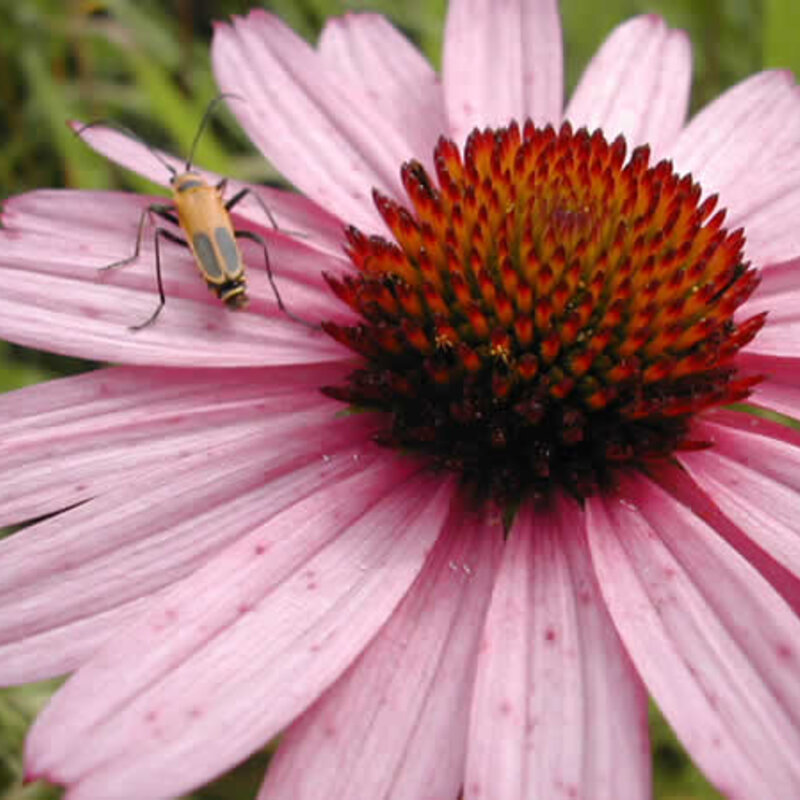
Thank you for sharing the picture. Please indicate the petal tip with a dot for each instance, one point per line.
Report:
(654, 19)
(29, 777)
(651, 23)
(681, 37)
(257, 16)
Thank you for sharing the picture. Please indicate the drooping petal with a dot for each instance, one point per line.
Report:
(293, 212)
(502, 61)
(394, 726)
(745, 145)
(558, 710)
(66, 441)
(377, 59)
(714, 643)
(143, 718)
(325, 136)
(637, 85)
(58, 299)
(74, 570)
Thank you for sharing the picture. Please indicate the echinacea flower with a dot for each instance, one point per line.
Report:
(542, 514)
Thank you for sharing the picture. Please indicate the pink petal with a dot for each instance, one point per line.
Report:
(70, 216)
(502, 61)
(747, 128)
(58, 300)
(779, 337)
(383, 65)
(58, 651)
(772, 233)
(159, 526)
(778, 294)
(293, 212)
(681, 484)
(143, 718)
(558, 710)
(69, 440)
(780, 389)
(326, 137)
(714, 643)
(637, 85)
(394, 726)
(746, 146)
(753, 473)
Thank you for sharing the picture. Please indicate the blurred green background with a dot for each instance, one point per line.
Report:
(145, 63)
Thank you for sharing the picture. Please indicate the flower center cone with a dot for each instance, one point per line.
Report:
(547, 312)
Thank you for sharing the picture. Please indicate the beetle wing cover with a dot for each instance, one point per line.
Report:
(229, 252)
(207, 258)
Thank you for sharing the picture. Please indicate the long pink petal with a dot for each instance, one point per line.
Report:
(637, 85)
(502, 61)
(772, 235)
(780, 337)
(693, 494)
(394, 726)
(377, 59)
(780, 389)
(244, 645)
(66, 441)
(146, 504)
(326, 137)
(104, 222)
(57, 299)
(293, 212)
(753, 125)
(558, 710)
(746, 146)
(61, 650)
(753, 473)
(160, 526)
(778, 294)
(54, 481)
(715, 644)
(128, 396)
(774, 352)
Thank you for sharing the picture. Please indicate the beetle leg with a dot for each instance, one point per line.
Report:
(241, 194)
(162, 299)
(146, 215)
(168, 213)
(254, 237)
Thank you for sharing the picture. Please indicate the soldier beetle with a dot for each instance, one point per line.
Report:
(202, 214)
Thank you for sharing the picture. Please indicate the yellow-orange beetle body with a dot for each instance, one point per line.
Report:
(205, 221)
(202, 214)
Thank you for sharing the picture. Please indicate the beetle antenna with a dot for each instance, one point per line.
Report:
(123, 129)
(204, 121)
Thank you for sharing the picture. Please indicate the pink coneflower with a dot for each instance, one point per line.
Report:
(543, 513)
